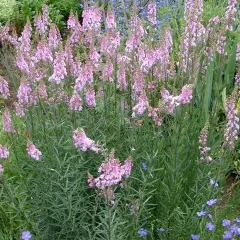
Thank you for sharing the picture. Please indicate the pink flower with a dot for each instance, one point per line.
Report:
(232, 128)
(40, 25)
(186, 94)
(121, 78)
(24, 45)
(75, 103)
(7, 122)
(54, 37)
(110, 43)
(3, 152)
(107, 71)
(4, 90)
(59, 70)
(152, 13)
(95, 57)
(33, 152)
(90, 97)
(83, 142)
(203, 144)
(91, 18)
(43, 52)
(111, 172)
(238, 53)
(24, 92)
(45, 15)
(140, 108)
(20, 111)
(110, 20)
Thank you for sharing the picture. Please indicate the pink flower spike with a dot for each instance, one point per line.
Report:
(59, 71)
(24, 92)
(90, 97)
(33, 152)
(3, 152)
(152, 13)
(75, 103)
(7, 122)
(4, 90)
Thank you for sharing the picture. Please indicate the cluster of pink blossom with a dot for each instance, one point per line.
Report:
(154, 113)
(231, 10)
(43, 52)
(24, 92)
(33, 152)
(111, 172)
(141, 106)
(110, 20)
(107, 71)
(90, 97)
(54, 37)
(3, 152)
(83, 142)
(237, 78)
(59, 70)
(4, 90)
(203, 145)
(6, 37)
(7, 122)
(91, 18)
(194, 31)
(42, 22)
(238, 53)
(75, 103)
(232, 128)
(221, 43)
(152, 13)
(171, 102)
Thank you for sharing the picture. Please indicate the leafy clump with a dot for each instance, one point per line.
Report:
(7, 8)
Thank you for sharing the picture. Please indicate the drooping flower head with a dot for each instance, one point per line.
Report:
(111, 172)
(82, 142)
(33, 152)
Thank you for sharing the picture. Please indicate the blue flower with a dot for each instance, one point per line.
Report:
(234, 229)
(210, 216)
(210, 226)
(211, 202)
(26, 235)
(226, 223)
(213, 183)
(195, 237)
(227, 235)
(142, 232)
(144, 166)
(161, 230)
(201, 214)
(236, 220)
